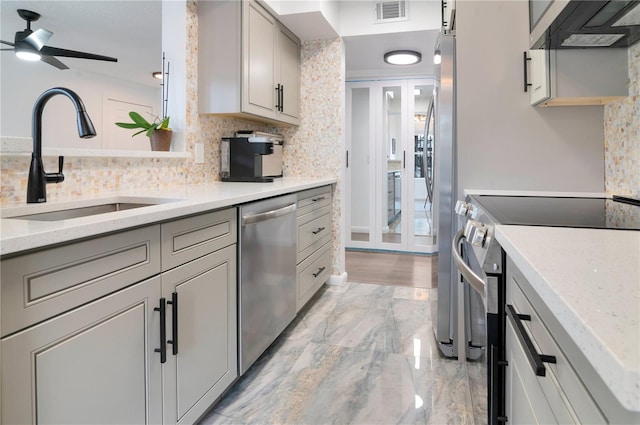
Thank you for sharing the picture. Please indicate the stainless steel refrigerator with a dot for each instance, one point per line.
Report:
(448, 304)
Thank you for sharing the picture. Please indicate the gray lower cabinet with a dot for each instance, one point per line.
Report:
(201, 326)
(94, 364)
(83, 339)
(313, 242)
(563, 388)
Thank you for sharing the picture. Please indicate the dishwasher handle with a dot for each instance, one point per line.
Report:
(268, 215)
(473, 279)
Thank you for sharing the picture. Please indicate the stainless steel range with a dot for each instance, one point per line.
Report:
(481, 261)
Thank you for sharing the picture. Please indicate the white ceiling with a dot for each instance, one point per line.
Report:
(364, 54)
(127, 30)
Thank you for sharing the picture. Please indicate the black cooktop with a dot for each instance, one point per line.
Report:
(606, 213)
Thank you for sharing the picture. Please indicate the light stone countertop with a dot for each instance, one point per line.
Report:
(590, 280)
(19, 235)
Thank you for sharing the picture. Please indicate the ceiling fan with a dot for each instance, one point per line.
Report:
(30, 45)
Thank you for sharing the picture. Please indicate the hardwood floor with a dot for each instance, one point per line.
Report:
(415, 271)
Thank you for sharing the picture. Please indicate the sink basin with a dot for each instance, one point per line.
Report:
(89, 210)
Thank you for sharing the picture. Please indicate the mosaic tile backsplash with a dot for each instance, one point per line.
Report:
(622, 136)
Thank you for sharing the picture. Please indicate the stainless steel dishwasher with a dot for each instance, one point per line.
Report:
(267, 281)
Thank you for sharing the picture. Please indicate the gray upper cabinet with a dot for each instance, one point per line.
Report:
(569, 77)
(248, 63)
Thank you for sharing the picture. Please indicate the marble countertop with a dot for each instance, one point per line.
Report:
(19, 235)
(590, 280)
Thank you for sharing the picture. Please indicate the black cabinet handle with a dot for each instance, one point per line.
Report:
(163, 331)
(443, 5)
(278, 97)
(347, 159)
(320, 270)
(318, 199)
(527, 84)
(535, 360)
(174, 323)
(318, 230)
(281, 97)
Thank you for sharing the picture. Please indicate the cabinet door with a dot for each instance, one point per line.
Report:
(95, 364)
(205, 331)
(289, 72)
(259, 51)
(540, 89)
(525, 402)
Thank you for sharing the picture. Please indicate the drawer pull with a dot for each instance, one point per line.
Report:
(174, 323)
(320, 229)
(535, 360)
(320, 270)
(163, 331)
(318, 199)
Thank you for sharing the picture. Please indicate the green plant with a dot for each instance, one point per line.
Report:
(143, 124)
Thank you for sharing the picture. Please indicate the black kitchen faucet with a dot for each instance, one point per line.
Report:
(38, 178)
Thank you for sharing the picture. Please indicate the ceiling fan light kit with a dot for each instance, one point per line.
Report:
(31, 45)
(402, 57)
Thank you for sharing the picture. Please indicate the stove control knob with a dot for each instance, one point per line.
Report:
(462, 208)
(479, 236)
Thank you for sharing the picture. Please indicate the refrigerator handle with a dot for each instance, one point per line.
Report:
(404, 159)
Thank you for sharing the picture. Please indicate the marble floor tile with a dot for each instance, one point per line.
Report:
(362, 355)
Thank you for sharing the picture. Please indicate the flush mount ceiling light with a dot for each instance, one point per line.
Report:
(157, 75)
(402, 57)
(437, 57)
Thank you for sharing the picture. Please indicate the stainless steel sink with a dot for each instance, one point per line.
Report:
(89, 210)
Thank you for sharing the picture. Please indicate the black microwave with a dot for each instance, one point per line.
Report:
(569, 24)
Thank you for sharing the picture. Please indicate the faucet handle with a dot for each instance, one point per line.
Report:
(59, 176)
(56, 177)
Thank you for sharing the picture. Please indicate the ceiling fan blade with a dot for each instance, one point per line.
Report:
(7, 43)
(53, 61)
(55, 51)
(38, 38)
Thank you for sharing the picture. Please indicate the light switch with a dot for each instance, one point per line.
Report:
(199, 151)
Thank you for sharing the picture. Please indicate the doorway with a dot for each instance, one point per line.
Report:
(389, 162)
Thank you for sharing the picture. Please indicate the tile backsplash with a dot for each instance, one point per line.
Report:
(622, 136)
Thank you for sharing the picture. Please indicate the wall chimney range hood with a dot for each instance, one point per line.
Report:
(570, 24)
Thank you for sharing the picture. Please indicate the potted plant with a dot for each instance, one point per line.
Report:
(158, 131)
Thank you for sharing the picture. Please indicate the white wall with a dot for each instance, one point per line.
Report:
(503, 143)
(22, 83)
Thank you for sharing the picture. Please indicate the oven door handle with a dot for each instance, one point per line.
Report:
(473, 279)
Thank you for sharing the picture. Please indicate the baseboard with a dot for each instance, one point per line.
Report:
(338, 280)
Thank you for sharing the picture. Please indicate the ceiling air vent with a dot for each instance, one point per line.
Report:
(390, 11)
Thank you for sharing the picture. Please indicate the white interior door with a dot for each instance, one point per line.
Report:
(387, 206)
(360, 131)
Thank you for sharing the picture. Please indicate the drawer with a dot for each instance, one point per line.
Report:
(311, 274)
(313, 235)
(189, 238)
(45, 283)
(313, 199)
(566, 394)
